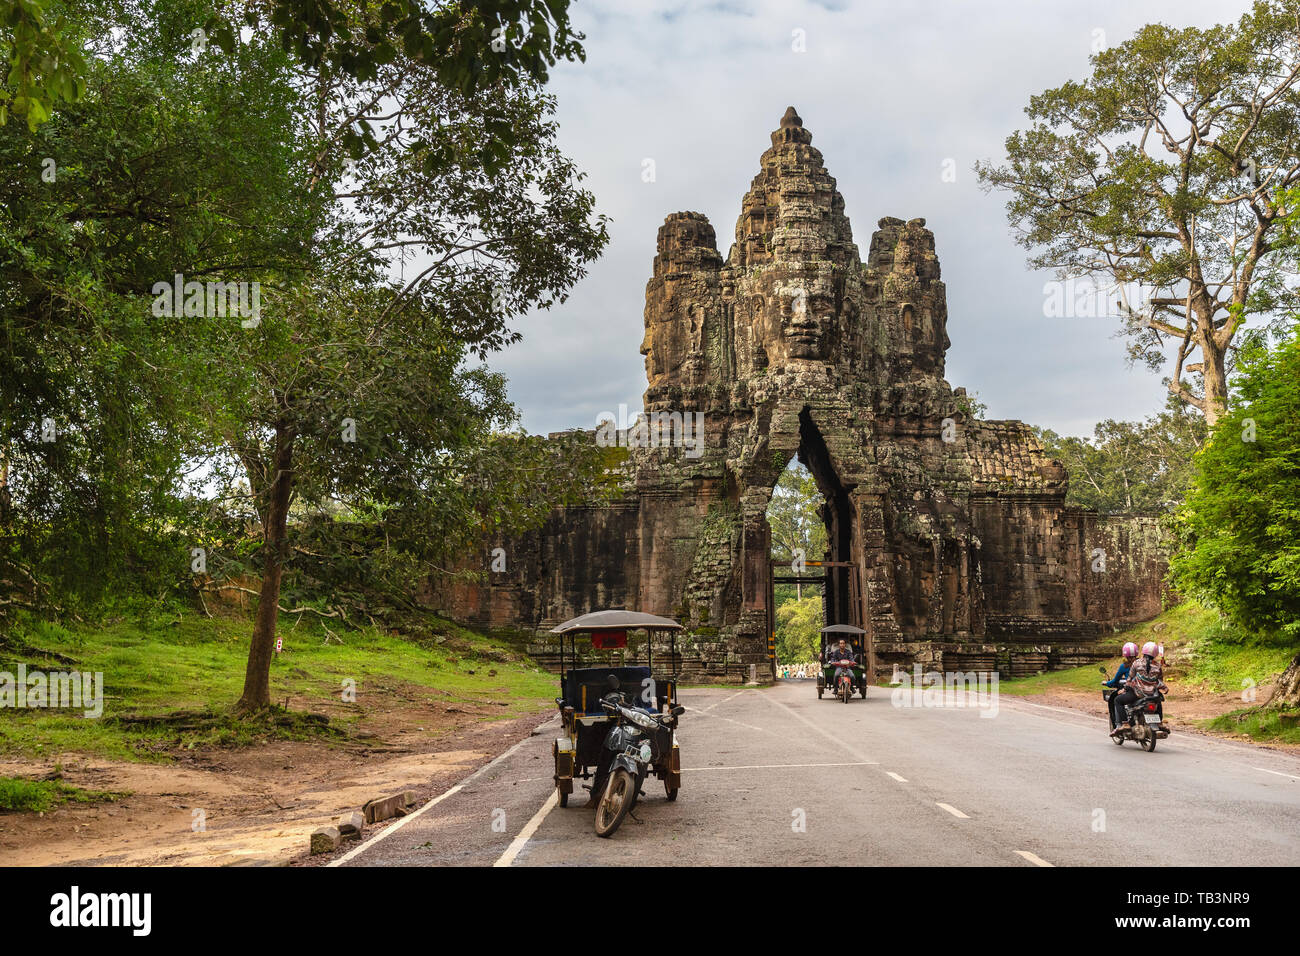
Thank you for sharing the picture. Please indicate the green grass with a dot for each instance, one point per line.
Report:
(1079, 678)
(1226, 658)
(1266, 725)
(1200, 648)
(20, 795)
(161, 663)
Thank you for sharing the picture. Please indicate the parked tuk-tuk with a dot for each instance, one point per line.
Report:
(826, 676)
(586, 722)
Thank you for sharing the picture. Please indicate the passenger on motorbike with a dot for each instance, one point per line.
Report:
(1145, 679)
(1130, 653)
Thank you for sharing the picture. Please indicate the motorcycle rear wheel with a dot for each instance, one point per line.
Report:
(1148, 742)
(615, 803)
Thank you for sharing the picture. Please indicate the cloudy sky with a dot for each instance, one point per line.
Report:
(890, 91)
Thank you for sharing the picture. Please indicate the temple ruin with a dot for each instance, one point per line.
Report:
(952, 541)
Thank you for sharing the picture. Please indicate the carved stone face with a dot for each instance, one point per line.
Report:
(806, 323)
(800, 321)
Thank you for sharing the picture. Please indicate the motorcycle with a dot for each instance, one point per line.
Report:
(844, 684)
(1145, 718)
(638, 742)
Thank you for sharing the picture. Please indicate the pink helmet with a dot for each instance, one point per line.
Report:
(1149, 649)
(1130, 650)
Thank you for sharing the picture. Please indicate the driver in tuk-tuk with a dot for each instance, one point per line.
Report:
(841, 657)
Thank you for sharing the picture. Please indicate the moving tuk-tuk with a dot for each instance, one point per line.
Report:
(826, 676)
(586, 722)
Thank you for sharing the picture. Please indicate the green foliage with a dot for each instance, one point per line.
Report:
(796, 526)
(1131, 466)
(798, 630)
(224, 165)
(44, 61)
(971, 406)
(1239, 531)
(793, 518)
(122, 189)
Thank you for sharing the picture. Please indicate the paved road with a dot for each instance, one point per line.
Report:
(776, 776)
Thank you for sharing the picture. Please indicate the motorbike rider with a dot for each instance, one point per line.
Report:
(842, 658)
(1130, 653)
(1145, 678)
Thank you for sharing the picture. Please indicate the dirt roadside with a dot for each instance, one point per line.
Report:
(222, 806)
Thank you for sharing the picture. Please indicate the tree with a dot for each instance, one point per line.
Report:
(164, 166)
(1239, 531)
(798, 630)
(1131, 466)
(348, 392)
(461, 46)
(797, 527)
(354, 390)
(44, 60)
(1169, 169)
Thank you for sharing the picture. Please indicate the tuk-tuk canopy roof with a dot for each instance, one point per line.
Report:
(616, 621)
(842, 629)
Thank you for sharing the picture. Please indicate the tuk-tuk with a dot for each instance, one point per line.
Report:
(831, 636)
(585, 721)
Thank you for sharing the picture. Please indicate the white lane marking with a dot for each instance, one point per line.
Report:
(895, 776)
(953, 810)
(441, 797)
(1036, 860)
(1278, 772)
(783, 766)
(527, 832)
(705, 710)
(739, 723)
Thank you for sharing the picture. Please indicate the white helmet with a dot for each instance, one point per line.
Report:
(1149, 649)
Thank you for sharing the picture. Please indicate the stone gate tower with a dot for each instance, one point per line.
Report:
(958, 546)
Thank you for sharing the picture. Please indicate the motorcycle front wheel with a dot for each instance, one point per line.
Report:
(615, 803)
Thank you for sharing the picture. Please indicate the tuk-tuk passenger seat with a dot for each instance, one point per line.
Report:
(596, 682)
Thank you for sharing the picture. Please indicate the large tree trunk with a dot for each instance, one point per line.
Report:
(257, 678)
(1287, 690)
(1215, 376)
